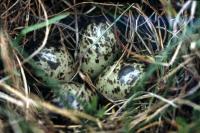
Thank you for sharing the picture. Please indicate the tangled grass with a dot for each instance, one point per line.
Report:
(163, 35)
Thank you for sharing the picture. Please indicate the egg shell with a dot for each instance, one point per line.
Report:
(73, 94)
(117, 80)
(56, 62)
(98, 48)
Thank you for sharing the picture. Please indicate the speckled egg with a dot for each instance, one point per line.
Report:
(56, 62)
(117, 80)
(73, 95)
(98, 48)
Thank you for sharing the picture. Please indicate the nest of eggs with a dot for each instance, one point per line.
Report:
(91, 67)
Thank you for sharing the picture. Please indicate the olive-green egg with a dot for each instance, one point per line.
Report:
(73, 95)
(56, 62)
(116, 81)
(98, 48)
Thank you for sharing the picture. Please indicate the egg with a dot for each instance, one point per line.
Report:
(74, 95)
(56, 62)
(98, 48)
(117, 80)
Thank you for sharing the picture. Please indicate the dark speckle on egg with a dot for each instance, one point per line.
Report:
(110, 81)
(53, 65)
(97, 60)
(116, 90)
(128, 74)
(105, 57)
(89, 51)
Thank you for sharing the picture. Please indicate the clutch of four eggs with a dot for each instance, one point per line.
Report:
(98, 50)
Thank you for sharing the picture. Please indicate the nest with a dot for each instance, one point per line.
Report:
(163, 35)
